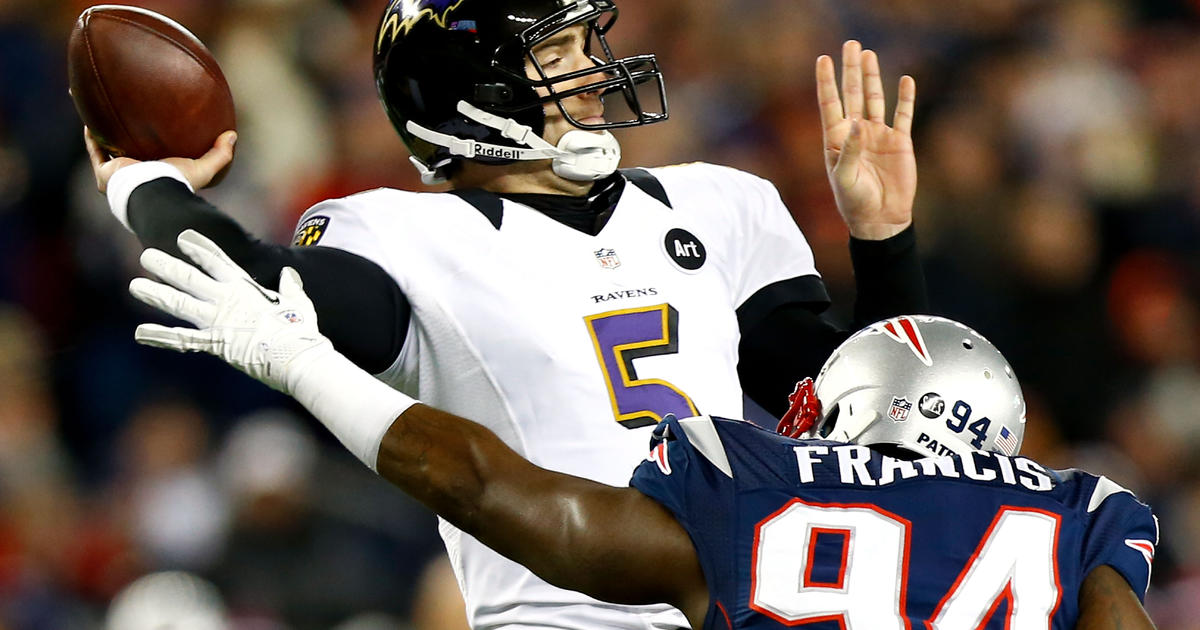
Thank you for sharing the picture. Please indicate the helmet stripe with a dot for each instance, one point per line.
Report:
(911, 337)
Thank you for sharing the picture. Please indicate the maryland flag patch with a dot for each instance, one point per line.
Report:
(311, 231)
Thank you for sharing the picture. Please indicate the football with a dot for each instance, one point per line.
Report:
(145, 86)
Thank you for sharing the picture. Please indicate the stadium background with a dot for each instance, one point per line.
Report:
(1058, 212)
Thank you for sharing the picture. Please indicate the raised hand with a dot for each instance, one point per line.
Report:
(871, 166)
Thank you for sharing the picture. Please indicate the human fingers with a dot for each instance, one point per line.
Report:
(221, 153)
(906, 105)
(852, 79)
(829, 102)
(96, 157)
(177, 339)
(873, 86)
(173, 301)
(103, 166)
(181, 275)
(95, 154)
(845, 172)
(201, 171)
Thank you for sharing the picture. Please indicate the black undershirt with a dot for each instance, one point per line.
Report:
(783, 336)
(588, 213)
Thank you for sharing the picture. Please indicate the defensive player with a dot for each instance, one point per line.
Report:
(549, 281)
(737, 526)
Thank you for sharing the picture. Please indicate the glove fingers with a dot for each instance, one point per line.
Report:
(177, 339)
(209, 256)
(291, 288)
(290, 284)
(180, 275)
(173, 301)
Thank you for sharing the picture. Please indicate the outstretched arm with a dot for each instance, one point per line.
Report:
(1106, 602)
(614, 544)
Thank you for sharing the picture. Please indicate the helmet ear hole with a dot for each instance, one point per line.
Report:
(830, 422)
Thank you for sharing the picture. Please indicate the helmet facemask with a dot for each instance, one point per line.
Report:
(476, 101)
(624, 76)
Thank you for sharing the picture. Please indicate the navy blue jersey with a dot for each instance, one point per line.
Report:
(807, 531)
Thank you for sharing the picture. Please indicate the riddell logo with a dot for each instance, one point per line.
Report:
(495, 152)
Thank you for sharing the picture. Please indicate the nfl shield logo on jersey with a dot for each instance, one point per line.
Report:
(899, 409)
(608, 258)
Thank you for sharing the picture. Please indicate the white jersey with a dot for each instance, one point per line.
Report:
(571, 347)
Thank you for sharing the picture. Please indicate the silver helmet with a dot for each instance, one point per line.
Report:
(926, 384)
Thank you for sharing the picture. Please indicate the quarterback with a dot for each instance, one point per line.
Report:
(567, 305)
(859, 523)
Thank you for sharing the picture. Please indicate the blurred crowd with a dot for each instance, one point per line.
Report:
(1058, 212)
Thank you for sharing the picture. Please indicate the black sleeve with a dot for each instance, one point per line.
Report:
(784, 338)
(888, 278)
(359, 306)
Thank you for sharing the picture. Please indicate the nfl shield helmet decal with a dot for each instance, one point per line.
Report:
(899, 409)
(402, 15)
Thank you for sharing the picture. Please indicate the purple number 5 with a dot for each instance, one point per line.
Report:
(622, 336)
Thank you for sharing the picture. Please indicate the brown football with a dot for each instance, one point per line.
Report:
(145, 86)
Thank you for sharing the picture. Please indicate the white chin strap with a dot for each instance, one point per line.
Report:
(580, 156)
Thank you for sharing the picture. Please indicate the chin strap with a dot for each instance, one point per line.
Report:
(580, 155)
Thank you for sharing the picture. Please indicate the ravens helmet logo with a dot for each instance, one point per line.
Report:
(402, 15)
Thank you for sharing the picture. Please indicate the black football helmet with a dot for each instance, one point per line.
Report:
(452, 77)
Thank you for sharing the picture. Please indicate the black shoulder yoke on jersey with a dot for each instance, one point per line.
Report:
(783, 336)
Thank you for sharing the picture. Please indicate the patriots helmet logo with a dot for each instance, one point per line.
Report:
(905, 331)
(402, 15)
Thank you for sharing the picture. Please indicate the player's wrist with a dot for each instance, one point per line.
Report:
(355, 406)
(125, 180)
(877, 231)
(302, 369)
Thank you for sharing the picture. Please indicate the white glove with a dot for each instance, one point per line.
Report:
(264, 333)
(270, 335)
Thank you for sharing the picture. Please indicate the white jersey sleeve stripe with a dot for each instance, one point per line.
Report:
(703, 436)
(1105, 488)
